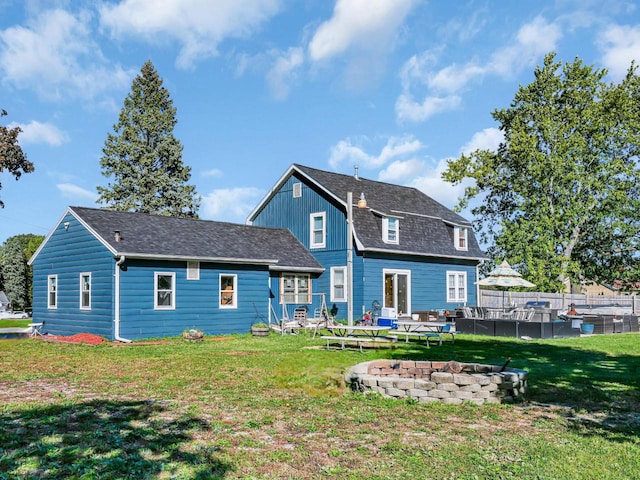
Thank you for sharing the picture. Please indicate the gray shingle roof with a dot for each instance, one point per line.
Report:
(426, 226)
(144, 235)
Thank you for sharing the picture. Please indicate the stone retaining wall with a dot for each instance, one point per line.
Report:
(446, 382)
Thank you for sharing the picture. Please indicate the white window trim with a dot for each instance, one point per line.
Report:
(457, 275)
(193, 270)
(49, 305)
(385, 230)
(335, 298)
(234, 294)
(173, 291)
(85, 274)
(296, 293)
(461, 232)
(396, 272)
(312, 217)
(297, 190)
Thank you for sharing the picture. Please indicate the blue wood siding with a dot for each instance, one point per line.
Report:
(67, 253)
(284, 211)
(196, 301)
(428, 280)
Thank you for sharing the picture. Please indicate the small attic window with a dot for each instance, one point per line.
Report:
(460, 238)
(390, 230)
(297, 190)
(193, 270)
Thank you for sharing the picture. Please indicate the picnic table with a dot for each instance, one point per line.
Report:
(412, 328)
(358, 334)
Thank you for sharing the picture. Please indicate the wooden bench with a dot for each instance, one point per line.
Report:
(358, 340)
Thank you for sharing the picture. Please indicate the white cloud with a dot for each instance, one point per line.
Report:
(283, 72)
(69, 190)
(37, 132)
(56, 56)
(230, 204)
(361, 24)
(620, 45)
(401, 170)
(214, 172)
(345, 152)
(408, 109)
(534, 40)
(487, 139)
(198, 25)
(444, 86)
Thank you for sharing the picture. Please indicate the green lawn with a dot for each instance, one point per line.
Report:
(276, 407)
(15, 323)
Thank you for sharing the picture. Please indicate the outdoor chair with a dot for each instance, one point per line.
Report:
(36, 329)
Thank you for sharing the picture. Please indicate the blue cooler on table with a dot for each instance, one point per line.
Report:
(387, 322)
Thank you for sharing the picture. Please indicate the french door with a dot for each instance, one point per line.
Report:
(397, 290)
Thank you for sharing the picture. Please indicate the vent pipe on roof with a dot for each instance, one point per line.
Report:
(355, 172)
(117, 235)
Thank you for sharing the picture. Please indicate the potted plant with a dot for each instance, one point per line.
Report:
(260, 329)
(193, 335)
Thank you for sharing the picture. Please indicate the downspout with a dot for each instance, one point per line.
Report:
(349, 258)
(116, 317)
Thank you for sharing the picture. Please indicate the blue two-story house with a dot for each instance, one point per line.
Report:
(380, 242)
(128, 276)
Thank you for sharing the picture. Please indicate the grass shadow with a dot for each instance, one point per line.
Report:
(600, 392)
(104, 439)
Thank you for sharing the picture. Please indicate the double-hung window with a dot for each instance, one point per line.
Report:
(390, 230)
(52, 291)
(228, 291)
(164, 291)
(295, 288)
(456, 287)
(338, 284)
(318, 229)
(461, 238)
(85, 291)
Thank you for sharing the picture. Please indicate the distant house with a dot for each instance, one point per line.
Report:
(129, 275)
(409, 253)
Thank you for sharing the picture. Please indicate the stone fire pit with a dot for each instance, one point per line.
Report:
(446, 382)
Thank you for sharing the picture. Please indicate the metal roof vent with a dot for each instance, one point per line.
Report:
(355, 172)
(116, 233)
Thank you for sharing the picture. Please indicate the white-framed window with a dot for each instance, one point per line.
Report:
(460, 235)
(318, 230)
(390, 230)
(297, 190)
(85, 291)
(193, 270)
(295, 288)
(456, 287)
(164, 291)
(228, 291)
(338, 284)
(52, 291)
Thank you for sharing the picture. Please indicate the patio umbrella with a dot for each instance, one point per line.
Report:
(504, 276)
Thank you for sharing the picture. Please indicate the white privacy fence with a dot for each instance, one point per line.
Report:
(559, 301)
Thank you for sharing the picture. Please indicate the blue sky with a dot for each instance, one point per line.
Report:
(394, 86)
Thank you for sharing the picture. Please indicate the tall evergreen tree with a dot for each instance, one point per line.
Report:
(143, 156)
(12, 158)
(16, 276)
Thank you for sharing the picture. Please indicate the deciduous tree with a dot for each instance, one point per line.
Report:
(144, 158)
(560, 197)
(12, 158)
